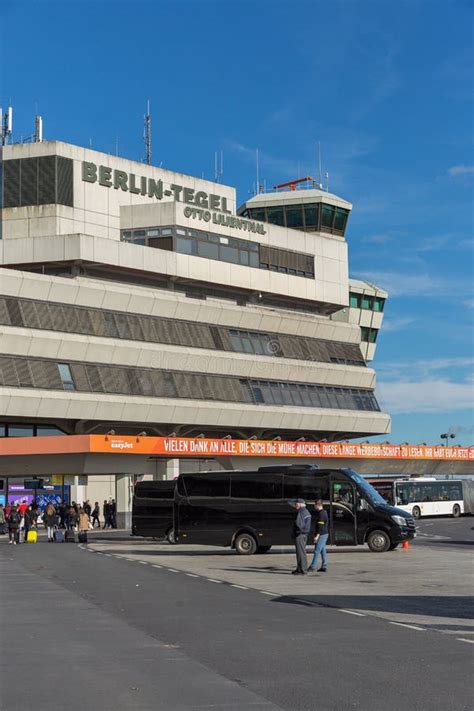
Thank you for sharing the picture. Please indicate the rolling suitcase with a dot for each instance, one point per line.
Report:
(31, 536)
(70, 537)
(82, 537)
(58, 536)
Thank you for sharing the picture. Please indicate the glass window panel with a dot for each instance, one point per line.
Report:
(263, 265)
(184, 246)
(355, 301)
(341, 219)
(256, 485)
(244, 257)
(126, 235)
(367, 301)
(213, 238)
(229, 254)
(66, 376)
(364, 334)
(294, 217)
(379, 304)
(48, 431)
(258, 213)
(180, 231)
(207, 485)
(327, 216)
(139, 240)
(254, 260)
(153, 233)
(275, 215)
(20, 430)
(208, 250)
(310, 488)
(311, 213)
(139, 233)
(167, 231)
(373, 335)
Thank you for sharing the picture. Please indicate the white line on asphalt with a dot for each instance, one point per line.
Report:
(411, 627)
(304, 602)
(109, 555)
(240, 587)
(351, 612)
(156, 566)
(143, 562)
(211, 580)
(192, 575)
(172, 570)
(461, 639)
(264, 592)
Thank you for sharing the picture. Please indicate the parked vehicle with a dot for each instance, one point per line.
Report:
(251, 511)
(152, 509)
(428, 496)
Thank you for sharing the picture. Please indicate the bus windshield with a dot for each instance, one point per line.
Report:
(367, 489)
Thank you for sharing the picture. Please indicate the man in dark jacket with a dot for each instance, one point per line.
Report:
(301, 529)
(13, 521)
(321, 537)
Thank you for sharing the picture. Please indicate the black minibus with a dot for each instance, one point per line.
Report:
(152, 509)
(252, 510)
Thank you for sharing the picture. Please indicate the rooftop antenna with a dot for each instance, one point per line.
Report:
(147, 135)
(218, 166)
(38, 129)
(258, 177)
(7, 125)
(319, 166)
(327, 182)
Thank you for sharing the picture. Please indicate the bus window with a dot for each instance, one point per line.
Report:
(255, 485)
(306, 487)
(402, 495)
(343, 493)
(455, 491)
(201, 486)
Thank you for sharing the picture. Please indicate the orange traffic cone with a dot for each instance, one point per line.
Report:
(405, 545)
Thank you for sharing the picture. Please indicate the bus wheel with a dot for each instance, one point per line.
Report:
(170, 536)
(416, 513)
(245, 544)
(263, 549)
(456, 511)
(378, 541)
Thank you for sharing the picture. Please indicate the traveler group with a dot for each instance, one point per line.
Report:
(301, 531)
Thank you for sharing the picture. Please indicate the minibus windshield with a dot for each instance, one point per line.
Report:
(367, 489)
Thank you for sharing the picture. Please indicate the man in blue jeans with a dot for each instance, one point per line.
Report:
(321, 537)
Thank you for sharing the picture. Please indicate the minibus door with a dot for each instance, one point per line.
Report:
(343, 522)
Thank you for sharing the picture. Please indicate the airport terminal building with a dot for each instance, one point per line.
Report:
(134, 299)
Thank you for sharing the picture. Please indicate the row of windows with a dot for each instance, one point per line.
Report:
(198, 243)
(311, 217)
(364, 301)
(256, 486)
(368, 335)
(89, 377)
(410, 493)
(45, 180)
(14, 430)
(26, 313)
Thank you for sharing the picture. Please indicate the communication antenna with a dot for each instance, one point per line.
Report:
(7, 125)
(327, 182)
(147, 134)
(258, 177)
(319, 166)
(38, 129)
(218, 166)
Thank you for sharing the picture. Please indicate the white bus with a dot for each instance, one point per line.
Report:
(428, 497)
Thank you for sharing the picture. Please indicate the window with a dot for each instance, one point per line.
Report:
(258, 213)
(275, 216)
(229, 254)
(184, 246)
(254, 485)
(311, 217)
(310, 488)
(354, 301)
(66, 376)
(207, 485)
(153, 233)
(48, 431)
(367, 302)
(327, 217)
(139, 233)
(244, 258)
(20, 430)
(3, 431)
(294, 217)
(379, 304)
(208, 250)
(340, 219)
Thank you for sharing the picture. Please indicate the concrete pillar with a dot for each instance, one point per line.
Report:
(123, 497)
(160, 470)
(172, 469)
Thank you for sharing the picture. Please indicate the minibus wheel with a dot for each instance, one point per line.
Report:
(416, 513)
(378, 541)
(456, 511)
(245, 544)
(170, 536)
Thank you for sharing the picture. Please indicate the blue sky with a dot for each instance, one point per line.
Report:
(386, 87)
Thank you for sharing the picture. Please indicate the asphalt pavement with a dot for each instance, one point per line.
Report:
(124, 632)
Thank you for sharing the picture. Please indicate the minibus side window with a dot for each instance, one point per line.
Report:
(306, 487)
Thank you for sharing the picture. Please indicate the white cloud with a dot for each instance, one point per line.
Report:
(397, 324)
(377, 239)
(461, 170)
(426, 396)
(422, 369)
(402, 284)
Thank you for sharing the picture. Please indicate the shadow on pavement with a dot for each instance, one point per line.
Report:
(451, 606)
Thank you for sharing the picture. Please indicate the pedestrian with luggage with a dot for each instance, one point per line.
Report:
(96, 515)
(301, 529)
(50, 520)
(30, 520)
(3, 521)
(14, 520)
(72, 519)
(321, 537)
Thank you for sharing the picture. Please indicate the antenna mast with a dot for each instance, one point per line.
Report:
(38, 129)
(218, 166)
(258, 178)
(7, 124)
(147, 136)
(319, 163)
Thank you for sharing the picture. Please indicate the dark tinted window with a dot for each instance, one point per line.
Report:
(253, 485)
(206, 485)
(144, 490)
(327, 216)
(311, 213)
(306, 487)
(275, 215)
(294, 216)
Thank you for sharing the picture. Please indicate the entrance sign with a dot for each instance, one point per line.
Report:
(180, 447)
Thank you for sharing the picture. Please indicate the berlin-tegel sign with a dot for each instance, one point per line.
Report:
(196, 447)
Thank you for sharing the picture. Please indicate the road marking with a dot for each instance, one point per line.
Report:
(157, 566)
(303, 602)
(264, 592)
(192, 575)
(352, 612)
(240, 587)
(461, 639)
(411, 627)
(143, 562)
(108, 555)
(211, 580)
(172, 570)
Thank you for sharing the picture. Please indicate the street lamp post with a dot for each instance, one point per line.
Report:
(446, 436)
